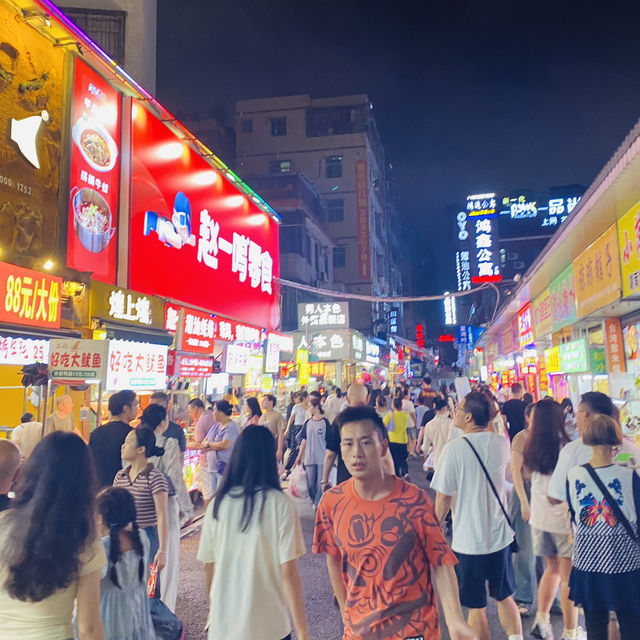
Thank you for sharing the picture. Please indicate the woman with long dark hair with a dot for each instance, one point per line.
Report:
(50, 554)
(124, 605)
(251, 539)
(550, 526)
(252, 411)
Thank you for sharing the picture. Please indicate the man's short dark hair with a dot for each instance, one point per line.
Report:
(271, 398)
(598, 402)
(118, 401)
(426, 380)
(196, 403)
(440, 403)
(27, 417)
(360, 414)
(477, 405)
(317, 394)
(160, 397)
(516, 387)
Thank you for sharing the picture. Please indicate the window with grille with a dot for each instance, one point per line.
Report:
(278, 126)
(335, 210)
(247, 125)
(333, 166)
(106, 28)
(280, 166)
(339, 257)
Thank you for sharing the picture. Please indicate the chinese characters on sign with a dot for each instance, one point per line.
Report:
(237, 359)
(373, 352)
(614, 346)
(231, 331)
(191, 367)
(542, 318)
(325, 345)
(597, 273)
(324, 315)
(29, 297)
(563, 300)
(71, 359)
(21, 351)
(136, 365)
(362, 202)
(463, 270)
(525, 326)
(123, 305)
(481, 204)
(558, 209)
(197, 330)
(629, 247)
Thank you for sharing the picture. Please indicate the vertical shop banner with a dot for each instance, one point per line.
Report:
(629, 248)
(31, 85)
(552, 359)
(563, 300)
(542, 316)
(194, 236)
(614, 346)
(92, 238)
(362, 208)
(29, 297)
(525, 326)
(597, 274)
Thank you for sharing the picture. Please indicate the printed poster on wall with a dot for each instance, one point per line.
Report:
(92, 239)
(563, 300)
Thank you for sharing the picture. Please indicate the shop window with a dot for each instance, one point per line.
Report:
(280, 166)
(336, 210)
(247, 125)
(278, 126)
(333, 167)
(339, 257)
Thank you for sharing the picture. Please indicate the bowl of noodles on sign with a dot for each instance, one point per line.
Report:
(92, 219)
(95, 144)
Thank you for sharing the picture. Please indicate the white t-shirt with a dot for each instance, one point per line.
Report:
(299, 414)
(51, 618)
(545, 516)
(437, 433)
(26, 436)
(247, 576)
(572, 455)
(331, 407)
(479, 526)
(408, 408)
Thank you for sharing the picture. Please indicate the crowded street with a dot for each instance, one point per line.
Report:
(319, 321)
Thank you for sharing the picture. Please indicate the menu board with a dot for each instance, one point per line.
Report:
(95, 175)
(31, 71)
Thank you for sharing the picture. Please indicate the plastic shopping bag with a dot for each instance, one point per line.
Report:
(298, 487)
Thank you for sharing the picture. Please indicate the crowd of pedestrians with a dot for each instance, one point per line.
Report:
(564, 538)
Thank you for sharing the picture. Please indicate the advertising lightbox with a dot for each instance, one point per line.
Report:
(194, 236)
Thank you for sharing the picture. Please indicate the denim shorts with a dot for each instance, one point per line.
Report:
(551, 544)
(412, 432)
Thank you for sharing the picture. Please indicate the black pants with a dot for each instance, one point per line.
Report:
(597, 623)
(399, 454)
(293, 441)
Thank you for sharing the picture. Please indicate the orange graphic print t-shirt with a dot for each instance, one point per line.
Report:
(386, 548)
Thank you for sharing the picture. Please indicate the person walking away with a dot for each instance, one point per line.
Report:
(396, 424)
(149, 488)
(482, 535)
(604, 501)
(253, 412)
(332, 403)
(353, 525)
(438, 431)
(179, 505)
(174, 430)
(513, 410)
(444, 394)
(313, 447)
(421, 409)
(453, 393)
(251, 540)
(412, 423)
(106, 440)
(524, 560)
(50, 554)
(27, 434)
(550, 528)
(124, 606)
(219, 441)
(381, 406)
(427, 391)
(569, 418)
(298, 416)
(274, 421)
(9, 465)
(203, 421)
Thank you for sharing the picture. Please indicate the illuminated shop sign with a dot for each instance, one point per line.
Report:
(29, 297)
(393, 320)
(71, 359)
(450, 310)
(136, 365)
(236, 359)
(574, 357)
(488, 270)
(525, 326)
(196, 331)
(232, 331)
(482, 204)
(324, 315)
(463, 270)
(124, 305)
(373, 352)
(21, 351)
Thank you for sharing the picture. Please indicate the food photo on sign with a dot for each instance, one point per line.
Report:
(194, 236)
(94, 175)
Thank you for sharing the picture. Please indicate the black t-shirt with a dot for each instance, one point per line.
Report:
(174, 430)
(333, 444)
(106, 442)
(514, 411)
(428, 416)
(5, 501)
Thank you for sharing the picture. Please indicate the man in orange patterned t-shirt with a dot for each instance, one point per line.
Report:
(382, 540)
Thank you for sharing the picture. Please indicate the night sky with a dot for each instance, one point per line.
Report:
(468, 96)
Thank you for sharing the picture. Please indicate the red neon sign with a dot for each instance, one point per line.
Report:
(420, 335)
(446, 337)
(482, 279)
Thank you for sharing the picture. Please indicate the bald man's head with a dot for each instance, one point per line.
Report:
(357, 394)
(9, 463)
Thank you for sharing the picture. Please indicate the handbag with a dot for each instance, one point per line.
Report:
(615, 507)
(514, 546)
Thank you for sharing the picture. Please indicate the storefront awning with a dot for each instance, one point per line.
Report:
(119, 332)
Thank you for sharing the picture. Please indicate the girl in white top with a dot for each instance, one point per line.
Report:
(550, 527)
(50, 555)
(439, 431)
(251, 539)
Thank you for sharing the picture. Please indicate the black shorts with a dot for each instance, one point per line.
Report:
(474, 571)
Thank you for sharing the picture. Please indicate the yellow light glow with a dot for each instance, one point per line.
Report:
(48, 265)
(171, 150)
(205, 178)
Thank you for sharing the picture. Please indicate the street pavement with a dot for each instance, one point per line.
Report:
(323, 616)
